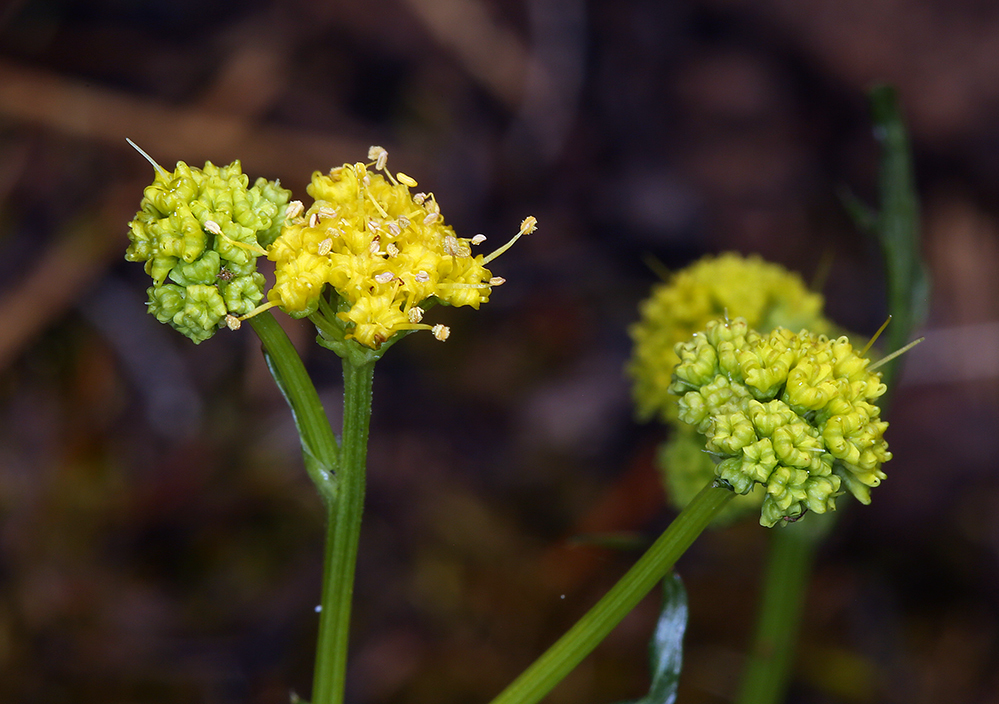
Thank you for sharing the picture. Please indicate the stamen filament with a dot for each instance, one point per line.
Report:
(378, 206)
(159, 169)
(881, 329)
(451, 284)
(528, 226)
(254, 248)
(502, 249)
(259, 309)
(895, 354)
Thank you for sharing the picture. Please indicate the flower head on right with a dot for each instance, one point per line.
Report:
(794, 412)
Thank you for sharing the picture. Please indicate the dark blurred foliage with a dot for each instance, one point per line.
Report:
(159, 540)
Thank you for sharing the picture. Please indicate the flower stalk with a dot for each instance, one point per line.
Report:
(319, 446)
(562, 657)
(342, 535)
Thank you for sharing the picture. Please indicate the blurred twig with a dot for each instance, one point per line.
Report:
(77, 108)
(490, 51)
(59, 278)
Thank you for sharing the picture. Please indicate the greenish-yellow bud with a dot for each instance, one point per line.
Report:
(202, 230)
(793, 412)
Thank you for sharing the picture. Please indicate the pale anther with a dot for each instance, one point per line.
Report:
(405, 180)
(441, 332)
(379, 155)
(314, 220)
(529, 225)
(293, 210)
(430, 218)
(391, 249)
(415, 314)
(419, 198)
(497, 281)
(325, 246)
(384, 277)
(422, 276)
(393, 229)
(213, 227)
(232, 322)
(451, 245)
(478, 239)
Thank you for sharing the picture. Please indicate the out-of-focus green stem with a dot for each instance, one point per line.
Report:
(559, 660)
(343, 533)
(792, 549)
(897, 226)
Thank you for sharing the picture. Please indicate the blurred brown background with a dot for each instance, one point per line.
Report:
(159, 540)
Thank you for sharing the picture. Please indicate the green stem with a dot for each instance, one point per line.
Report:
(792, 550)
(319, 446)
(343, 532)
(559, 660)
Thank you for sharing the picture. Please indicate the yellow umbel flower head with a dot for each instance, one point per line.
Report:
(767, 295)
(383, 250)
(793, 412)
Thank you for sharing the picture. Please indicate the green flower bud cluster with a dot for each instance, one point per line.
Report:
(792, 412)
(199, 232)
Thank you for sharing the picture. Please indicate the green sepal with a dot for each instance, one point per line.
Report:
(203, 311)
(333, 331)
(194, 311)
(166, 301)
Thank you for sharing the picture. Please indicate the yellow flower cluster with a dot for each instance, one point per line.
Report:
(792, 412)
(382, 249)
(767, 295)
